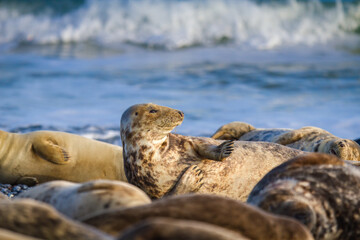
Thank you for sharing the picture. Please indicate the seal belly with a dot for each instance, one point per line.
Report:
(236, 175)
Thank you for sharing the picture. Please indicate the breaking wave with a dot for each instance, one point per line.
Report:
(178, 24)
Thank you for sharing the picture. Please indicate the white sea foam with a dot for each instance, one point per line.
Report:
(177, 24)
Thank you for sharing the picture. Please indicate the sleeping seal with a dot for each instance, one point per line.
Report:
(309, 139)
(77, 200)
(43, 156)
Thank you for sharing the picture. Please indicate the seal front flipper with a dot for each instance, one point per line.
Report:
(29, 181)
(225, 149)
(213, 152)
(49, 150)
(232, 131)
(190, 181)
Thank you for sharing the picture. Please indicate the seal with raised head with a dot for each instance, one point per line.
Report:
(319, 190)
(162, 163)
(40, 220)
(309, 139)
(77, 200)
(43, 156)
(244, 219)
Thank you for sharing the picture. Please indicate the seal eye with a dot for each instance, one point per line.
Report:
(136, 113)
(153, 111)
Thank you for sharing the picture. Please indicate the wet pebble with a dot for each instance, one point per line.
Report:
(12, 190)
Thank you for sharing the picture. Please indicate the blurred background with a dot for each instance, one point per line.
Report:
(78, 65)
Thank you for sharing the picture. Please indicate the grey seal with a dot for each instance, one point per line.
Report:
(319, 190)
(162, 163)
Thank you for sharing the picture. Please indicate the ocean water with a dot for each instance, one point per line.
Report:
(76, 66)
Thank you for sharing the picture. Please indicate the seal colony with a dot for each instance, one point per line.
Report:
(315, 193)
(79, 200)
(162, 163)
(243, 219)
(43, 156)
(309, 139)
(319, 190)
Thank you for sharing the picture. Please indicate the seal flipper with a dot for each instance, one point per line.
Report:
(213, 152)
(29, 181)
(190, 181)
(49, 150)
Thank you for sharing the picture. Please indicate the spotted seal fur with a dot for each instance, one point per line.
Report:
(77, 200)
(40, 220)
(319, 190)
(309, 139)
(162, 163)
(43, 156)
(249, 221)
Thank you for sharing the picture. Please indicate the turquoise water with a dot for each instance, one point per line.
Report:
(76, 66)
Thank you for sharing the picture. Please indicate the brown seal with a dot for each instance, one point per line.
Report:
(233, 215)
(77, 200)
(43, 156)
(175, 229)
(319, 190)
(10, 235)
(3, 197)
(161, 163)
(309, 139)
(36, 219)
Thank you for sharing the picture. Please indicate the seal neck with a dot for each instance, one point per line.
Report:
(152, 140)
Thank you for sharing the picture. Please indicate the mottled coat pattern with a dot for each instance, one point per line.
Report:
(319, 190)
(162, 163)
(309, 139)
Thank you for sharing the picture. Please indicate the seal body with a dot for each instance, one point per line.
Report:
(161, 163)
(77, 200)
(246, 220)
(310, 139)
(39, 220)
(168, 228)
(43, 156)
(319, 190)
(10, 235)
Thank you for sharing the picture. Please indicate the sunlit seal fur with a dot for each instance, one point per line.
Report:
(309, 139)
(233, 215)
(78, 200)
(319, 190)
(43, 156)
(3, 196)
(174, 229)
(10, 235)
(161, 163)
(40, 220)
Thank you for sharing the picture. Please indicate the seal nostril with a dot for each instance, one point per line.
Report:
(181, 113)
